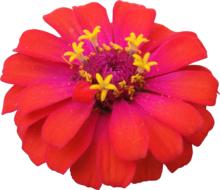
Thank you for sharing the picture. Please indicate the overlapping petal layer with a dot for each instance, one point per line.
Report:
(185, 85)
(127, 125)
(64, 123)
(25, 71)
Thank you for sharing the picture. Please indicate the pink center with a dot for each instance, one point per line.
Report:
(120, 65)
(117, 63)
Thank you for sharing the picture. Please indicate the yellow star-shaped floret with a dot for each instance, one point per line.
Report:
(91, 36)
(134, 42)
(143, 64)
(77, 52)
(104, 85)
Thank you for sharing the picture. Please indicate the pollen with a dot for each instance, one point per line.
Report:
(85, 75)
(131, 92)
(104, 85)
(122, 84)
(143, 64)
(77, 53)
(106, 47)
(137, 78)
(116, 46)
(134, 42)
(91, 36)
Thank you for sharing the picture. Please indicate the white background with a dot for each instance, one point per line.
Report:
(200, 16)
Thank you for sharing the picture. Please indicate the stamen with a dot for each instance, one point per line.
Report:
(116, 46)
(122, 84)
(84, 74)
(134, 42)
(92, 54)
(103, 86)
(91, 36)
(77, 53)
(137, 78)
(106, 47)
(131, 92)
(143, 64)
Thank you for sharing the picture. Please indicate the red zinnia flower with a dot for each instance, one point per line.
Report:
(113, 102)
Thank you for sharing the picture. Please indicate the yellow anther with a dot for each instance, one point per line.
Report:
(106, 47)
(137, 78)
(92, 54)
(100, 49)
(84, 74)
(123, 84)
(103, 86)
(77, 52)
(116, 46)
(134, 42)
(143, 64)
(91, 36)
(131, 92)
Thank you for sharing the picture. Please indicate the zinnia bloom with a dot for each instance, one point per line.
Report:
(112, 102)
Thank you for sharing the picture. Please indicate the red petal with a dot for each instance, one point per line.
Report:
(113, 171)
(42, 45)
(43, 95)
(208, 124)
(158, 36)
(91, 15)
(63, 124)
(182, 160)
(128, 134)
(22, 70)
(177, 114)
(185, 85)
(11, 99)
(148, 169)
(33, 144)
(24, 121)
(65, 23)
(84, 171)
(82, 93)
(179, 50)
(165, 144)
(61, 160)
(196, 68)
(129, 17)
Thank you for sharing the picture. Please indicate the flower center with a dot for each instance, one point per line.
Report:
(113, 71)
(117, 63)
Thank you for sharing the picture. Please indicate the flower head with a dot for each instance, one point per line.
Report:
(121, 101)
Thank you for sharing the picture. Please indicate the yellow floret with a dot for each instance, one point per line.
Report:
(91, 36)
(77, 52)
(134, 42)
(143, 64)
(103, 86)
